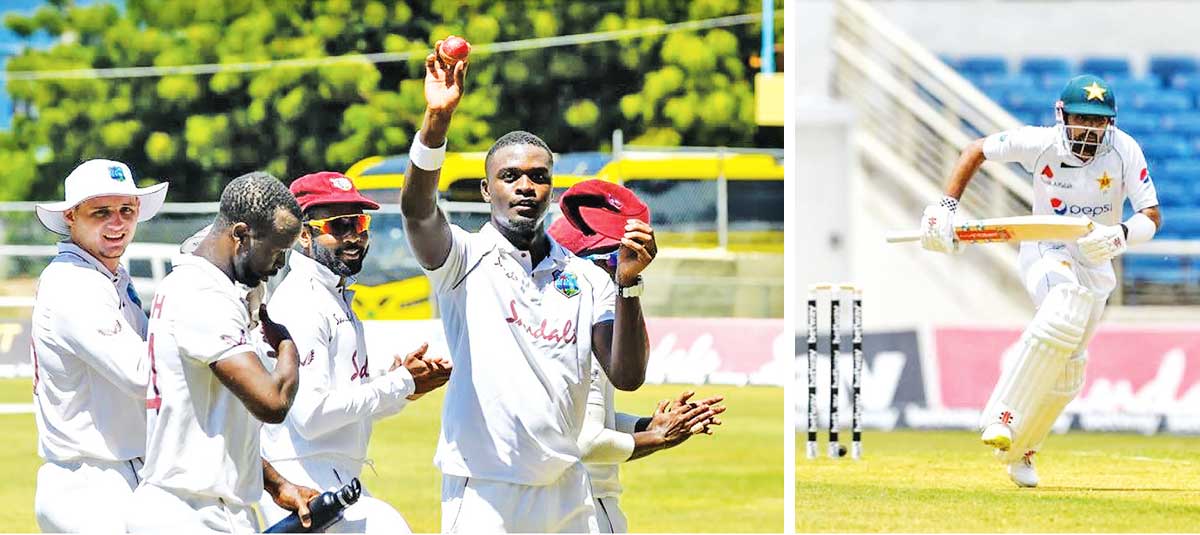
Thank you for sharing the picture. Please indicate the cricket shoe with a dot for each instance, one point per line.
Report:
(998, 436)
(1022, 471)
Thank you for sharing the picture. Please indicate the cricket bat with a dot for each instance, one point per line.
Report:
(1010, 229)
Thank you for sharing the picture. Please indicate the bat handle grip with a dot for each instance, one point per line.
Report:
(901, 236)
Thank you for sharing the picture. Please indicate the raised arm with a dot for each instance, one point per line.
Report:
(426, 225)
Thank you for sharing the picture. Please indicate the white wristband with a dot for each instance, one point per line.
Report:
(425, 157)
(1140, 229)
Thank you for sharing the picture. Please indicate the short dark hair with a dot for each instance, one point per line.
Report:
(253, 199)
(517, 137)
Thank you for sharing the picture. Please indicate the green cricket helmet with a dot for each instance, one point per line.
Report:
(1087, 95)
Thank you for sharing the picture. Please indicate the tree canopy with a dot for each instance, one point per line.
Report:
(690, 88)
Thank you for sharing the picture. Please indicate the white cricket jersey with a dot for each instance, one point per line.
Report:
(337, 399)
(202, 440)
(89, 361)
(1064, 185)
(520, 337)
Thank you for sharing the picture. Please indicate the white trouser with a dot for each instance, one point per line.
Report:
(368, 515)
(473, 505)
(158, 510)
(84, 495)
(609, 516)
(1046, 264)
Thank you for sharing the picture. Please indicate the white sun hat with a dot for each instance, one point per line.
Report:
(98, 178)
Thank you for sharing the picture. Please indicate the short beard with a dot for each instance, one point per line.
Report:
(328, 258)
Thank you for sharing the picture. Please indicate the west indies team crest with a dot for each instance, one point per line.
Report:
(566, 283)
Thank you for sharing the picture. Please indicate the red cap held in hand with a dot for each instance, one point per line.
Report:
(594, 215)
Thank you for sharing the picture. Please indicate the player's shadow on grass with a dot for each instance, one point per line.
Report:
(1115, 489)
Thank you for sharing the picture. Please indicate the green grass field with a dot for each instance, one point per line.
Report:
(729, 482)
(946, 482)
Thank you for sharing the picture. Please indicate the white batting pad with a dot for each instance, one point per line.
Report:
(1055, 333)
(1041, 419)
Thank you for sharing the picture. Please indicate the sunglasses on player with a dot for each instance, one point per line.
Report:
(342, 224)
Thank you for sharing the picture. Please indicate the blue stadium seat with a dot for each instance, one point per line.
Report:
(1186, 82)
(1182, 223)
(1155, 268)
(983, 64)
(1165, 67)
(1138, 124)
(1125, 85)
(1010, 82)
(1031, 100)
(1102, 66)
(1184, 170)
(1163, 100)
(1046, 66)
(1183, 123)
(1165, 147)
(1172, 192)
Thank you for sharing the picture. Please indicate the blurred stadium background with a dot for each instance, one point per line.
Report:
(888, 93)
(680, 101)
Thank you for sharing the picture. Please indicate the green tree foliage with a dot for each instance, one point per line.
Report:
(197, 131)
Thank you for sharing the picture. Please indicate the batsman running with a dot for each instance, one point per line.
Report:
(1082, 166)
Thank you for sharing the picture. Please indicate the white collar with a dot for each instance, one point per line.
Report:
(558, 254)
(69, 247)
(301, 264)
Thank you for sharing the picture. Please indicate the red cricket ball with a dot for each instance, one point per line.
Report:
(454, 49)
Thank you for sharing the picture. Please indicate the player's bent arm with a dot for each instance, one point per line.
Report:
(599, 444)
(319, 411)
(622, 346)
(1141, 227)
(288, 495)
(267, 395)
(969, 162)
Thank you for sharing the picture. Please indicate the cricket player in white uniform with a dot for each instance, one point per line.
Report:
(89, 352)
(209, 390)
(523, 318)
(323, 442)
(1083, 166)
(594, 212)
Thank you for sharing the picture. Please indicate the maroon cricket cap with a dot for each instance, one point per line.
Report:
(594, 215)
(328, 187)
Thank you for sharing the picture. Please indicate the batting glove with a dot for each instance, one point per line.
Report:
(937, 227)
(1103, 243)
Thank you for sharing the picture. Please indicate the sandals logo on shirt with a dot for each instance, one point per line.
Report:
(567, 284)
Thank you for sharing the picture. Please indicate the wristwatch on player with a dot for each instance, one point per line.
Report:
(635, 290)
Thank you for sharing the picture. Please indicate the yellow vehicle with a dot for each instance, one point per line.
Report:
(681, 188)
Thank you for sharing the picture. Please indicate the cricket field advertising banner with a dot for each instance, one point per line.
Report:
(1139, 379)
